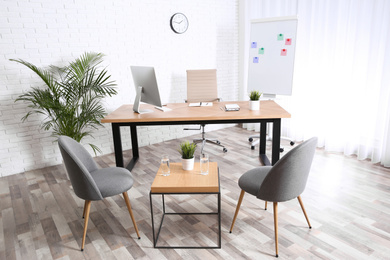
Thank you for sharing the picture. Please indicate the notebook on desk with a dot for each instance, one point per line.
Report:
(232, 107)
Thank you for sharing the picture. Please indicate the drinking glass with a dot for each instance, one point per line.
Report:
(165, 165)
(204, 164)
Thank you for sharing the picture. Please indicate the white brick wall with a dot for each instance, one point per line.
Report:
(129, 32)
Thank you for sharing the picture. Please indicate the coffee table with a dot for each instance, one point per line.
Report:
(186, 182)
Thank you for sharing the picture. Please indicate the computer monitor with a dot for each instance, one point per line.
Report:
(145, 87)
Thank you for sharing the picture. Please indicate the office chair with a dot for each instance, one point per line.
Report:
(202, 87)
(90, 183)
(282, 182)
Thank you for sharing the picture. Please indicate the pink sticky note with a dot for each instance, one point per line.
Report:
(288, 41)
(283, 52)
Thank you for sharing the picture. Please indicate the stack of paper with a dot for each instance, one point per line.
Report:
(232, 107)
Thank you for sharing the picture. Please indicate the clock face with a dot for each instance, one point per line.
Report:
(179, 23)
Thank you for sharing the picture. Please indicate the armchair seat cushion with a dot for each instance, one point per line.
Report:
(251, 180)
(112, 181)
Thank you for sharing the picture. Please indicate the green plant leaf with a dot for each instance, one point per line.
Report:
(71, 98)
(187, 150)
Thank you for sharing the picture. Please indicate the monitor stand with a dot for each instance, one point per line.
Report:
(137, 103)
(269, 96)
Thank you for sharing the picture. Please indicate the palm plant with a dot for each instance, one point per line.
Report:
(71, 96)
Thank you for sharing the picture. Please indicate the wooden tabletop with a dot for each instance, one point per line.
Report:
(182, 112)
(181, 181)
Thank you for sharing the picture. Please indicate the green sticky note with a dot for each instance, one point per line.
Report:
(261, 51)
(280, 37)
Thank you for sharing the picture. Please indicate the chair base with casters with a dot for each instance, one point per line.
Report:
(284, 181)
(254, 142)
(205, 140)
(91, 183)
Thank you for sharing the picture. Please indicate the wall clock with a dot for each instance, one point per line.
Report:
(179, 23)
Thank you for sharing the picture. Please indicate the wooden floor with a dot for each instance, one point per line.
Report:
(347, 201)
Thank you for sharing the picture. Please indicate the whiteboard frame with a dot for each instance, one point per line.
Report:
(279, 90)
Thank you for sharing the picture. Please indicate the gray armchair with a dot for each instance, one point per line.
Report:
(284, 181)
(90, 183)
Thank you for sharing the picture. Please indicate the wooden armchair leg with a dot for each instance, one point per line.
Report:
(87, 207)
(304, 211)
(126, 197)
(276, 227)
(265, 206)
(237, 209)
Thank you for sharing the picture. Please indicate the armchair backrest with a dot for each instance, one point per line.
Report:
(202, 85)
(79, 163)
(287, 178)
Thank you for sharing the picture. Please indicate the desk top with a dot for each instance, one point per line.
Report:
(181, 181)
(182, 112)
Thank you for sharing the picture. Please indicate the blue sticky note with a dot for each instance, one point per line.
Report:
(254, 45)
(255, 59)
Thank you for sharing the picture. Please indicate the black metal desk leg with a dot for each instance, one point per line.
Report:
(276, 141)
(134, 141)
(134, 147)
(262, 148)
(116, 133)
(263, 137)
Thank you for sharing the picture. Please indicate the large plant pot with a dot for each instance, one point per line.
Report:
(188, 164)
(254, 104)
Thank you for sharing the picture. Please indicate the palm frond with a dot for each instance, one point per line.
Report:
(71, 98)
(45, 75)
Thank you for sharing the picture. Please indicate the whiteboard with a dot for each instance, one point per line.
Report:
(271, 55)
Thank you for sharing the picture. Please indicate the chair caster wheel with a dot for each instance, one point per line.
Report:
(281, 150)
(250, 139)
(218, 142)
(292, 143)
(224, 150)
(252, 148)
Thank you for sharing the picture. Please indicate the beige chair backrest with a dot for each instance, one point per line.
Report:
(202, 85)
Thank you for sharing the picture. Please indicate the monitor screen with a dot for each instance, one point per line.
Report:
(145, 84)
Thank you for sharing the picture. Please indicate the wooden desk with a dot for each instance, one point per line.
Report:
(181, 114)
(186, 182)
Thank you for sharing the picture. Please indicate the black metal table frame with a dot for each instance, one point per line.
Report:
(156, 237)
(134, 138)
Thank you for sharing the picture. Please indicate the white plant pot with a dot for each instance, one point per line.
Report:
(254, 104)
(188, 164)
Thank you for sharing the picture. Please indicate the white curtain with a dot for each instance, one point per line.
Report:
(341, 89)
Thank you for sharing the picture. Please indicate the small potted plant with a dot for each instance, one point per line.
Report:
(254, 102)
(187, 151)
